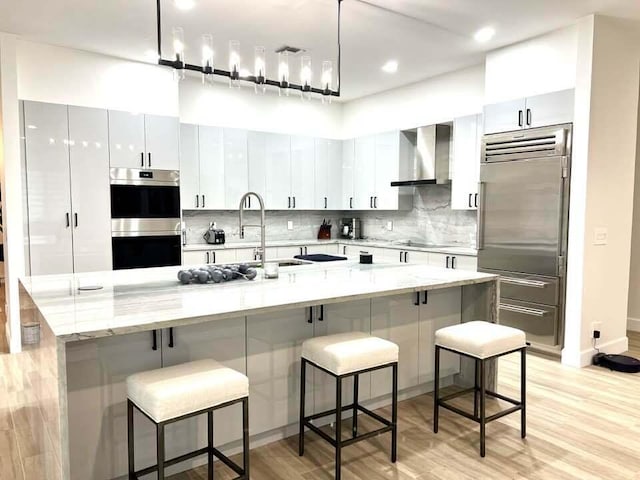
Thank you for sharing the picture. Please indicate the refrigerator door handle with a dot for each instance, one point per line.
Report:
(524, 310)
(480, 222)
(523, 282)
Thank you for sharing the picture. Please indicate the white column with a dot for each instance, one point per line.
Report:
(12, 187)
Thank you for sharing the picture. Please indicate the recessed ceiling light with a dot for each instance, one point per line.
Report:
(185, 4)
(151, 55)
(484, 34)
(390, 67)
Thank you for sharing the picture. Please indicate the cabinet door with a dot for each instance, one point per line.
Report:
(505, 116)
(224, 341)
(334, 175)
(387, 155)
(236, 167)
(465, 161)
(303, 172)
(126, 140)
(442, 310)
(441, 260)
(413, 256)
(90, 191)
(162, 142)
(322, 173)
(256, 147)
(189, 167)
(550, 109)
(274, 345)
(348, 174)
(194, 258)
(395, 318)
(465, 262)
(340, 318)
(97, 404)
(364, 172)
(226, 255)
(49, 188)
(211, 146)
(278, 171)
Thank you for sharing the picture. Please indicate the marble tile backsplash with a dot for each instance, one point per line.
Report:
(431, 221)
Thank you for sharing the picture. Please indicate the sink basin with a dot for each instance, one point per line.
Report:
(286, 262)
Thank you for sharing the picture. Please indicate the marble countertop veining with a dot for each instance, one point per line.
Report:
(147, 299)
(449, 249)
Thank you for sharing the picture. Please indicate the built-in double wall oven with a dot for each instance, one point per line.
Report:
(145, 218)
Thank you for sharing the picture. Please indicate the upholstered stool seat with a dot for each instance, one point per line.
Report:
(345, 353)
(480, 341)
(349, 355)
(171, 394)
(175, 391)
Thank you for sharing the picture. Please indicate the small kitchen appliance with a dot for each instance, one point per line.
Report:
(350, 228)
(213, 235)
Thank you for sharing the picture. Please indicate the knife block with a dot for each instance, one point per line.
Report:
(324, 233)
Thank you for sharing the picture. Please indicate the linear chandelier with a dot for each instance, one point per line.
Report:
(208, 68)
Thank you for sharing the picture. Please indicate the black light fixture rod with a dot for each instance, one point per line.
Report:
(339, 46)
(159, 31)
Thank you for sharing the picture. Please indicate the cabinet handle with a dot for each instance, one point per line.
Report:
(171, 344)
(417, 302)
(406, 254)
(214, 257)
(149, 159)
(306, 250)
(528, 116)
(202, 201)
(370, 202)
(400, 257)
(197, 201)
(344, 250)
(310, 319)
(425, 300)
(301, 251)
(350, 202)
(294, 202)
(520, 118)
(154, 340)
(470, 195)
(325, 202)
(447, 261)
(68, 220)
(476, 200)
(289, 206)
(207, 257)
(453, 262)
(321, 317)
(142, 159)
(75, 219)
(249, 200)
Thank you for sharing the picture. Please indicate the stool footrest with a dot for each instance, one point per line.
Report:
(517, 405)
(173, 461)
(502, 397)
(326, 413)
(457, 394)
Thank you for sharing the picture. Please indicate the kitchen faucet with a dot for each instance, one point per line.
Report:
(263, 249)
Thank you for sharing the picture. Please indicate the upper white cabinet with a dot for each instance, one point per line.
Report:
(236, 167)
(68, 188)
(394, 154)
(538, 111)
(278, 172)
(348, 174)
(364, 185)
(465, 162)
(143, 141)
(303, 172)
(189, 167)
(257, 157)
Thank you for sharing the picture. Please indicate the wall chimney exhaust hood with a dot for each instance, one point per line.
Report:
(431, 161)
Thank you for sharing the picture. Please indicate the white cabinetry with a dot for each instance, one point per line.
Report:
(364, 184)
(189, 167)
(461, 262)
(143, 141)
(236, 167)
(68, 188)
(209, 256)
(257, 154)
(328, 174)
(303, 173)
(348, 174)
(278, 171)
(465, 168)
(538, 111)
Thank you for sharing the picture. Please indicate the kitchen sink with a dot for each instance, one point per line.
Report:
(286, 262)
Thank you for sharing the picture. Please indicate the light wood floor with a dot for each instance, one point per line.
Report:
(582, 424)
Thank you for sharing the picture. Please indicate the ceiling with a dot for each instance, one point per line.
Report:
(426, 37)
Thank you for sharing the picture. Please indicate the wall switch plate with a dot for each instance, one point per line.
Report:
(390, 225)
(289, 225)
(600, 236)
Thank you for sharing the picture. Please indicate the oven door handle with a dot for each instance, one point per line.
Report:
(524, 283)
(523, 310)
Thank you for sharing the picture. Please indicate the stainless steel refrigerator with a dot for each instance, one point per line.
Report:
(522, 227)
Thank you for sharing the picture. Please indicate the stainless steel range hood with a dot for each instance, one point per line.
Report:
(431, 162)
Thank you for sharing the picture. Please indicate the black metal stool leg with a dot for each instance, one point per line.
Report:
(338, 426)
(356, 384)
(483, 423)
(303, 380)
(131, 440)
(475, 390)
(245, 437)
(523, 392)
(210, 444)
(394, 415)
(436, 388)
(160, 449)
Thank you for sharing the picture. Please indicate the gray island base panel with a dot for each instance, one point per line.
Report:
(92, 340)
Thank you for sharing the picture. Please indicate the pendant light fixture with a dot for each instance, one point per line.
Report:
(236, 75)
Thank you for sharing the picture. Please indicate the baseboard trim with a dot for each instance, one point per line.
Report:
(633, 324)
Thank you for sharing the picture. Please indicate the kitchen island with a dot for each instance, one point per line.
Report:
(143, 319)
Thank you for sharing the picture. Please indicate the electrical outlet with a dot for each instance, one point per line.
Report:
(289, 225)
(600, 236)
(596, 327)
(390, 225)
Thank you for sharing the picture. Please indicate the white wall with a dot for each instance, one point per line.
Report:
(540, 65)
(438, 99)
(605, 138)
(634, 274)
(220, 105)
(63, 75)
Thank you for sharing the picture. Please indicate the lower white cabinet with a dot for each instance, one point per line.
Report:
(204, 257)
(461, 262)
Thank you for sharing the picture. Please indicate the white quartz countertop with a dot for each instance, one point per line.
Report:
(450, 250)
(147, 299)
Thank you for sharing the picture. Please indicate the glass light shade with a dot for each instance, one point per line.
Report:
(327, 75)
(234, 57)
(260, 63)
(283, 68)
(178, 44)
(305, 71)
(207, 51)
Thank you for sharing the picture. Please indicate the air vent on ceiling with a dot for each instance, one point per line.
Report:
(289, 49)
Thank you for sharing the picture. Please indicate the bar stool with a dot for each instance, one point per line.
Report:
(167, 395)
(349, 355)
(481, 341)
